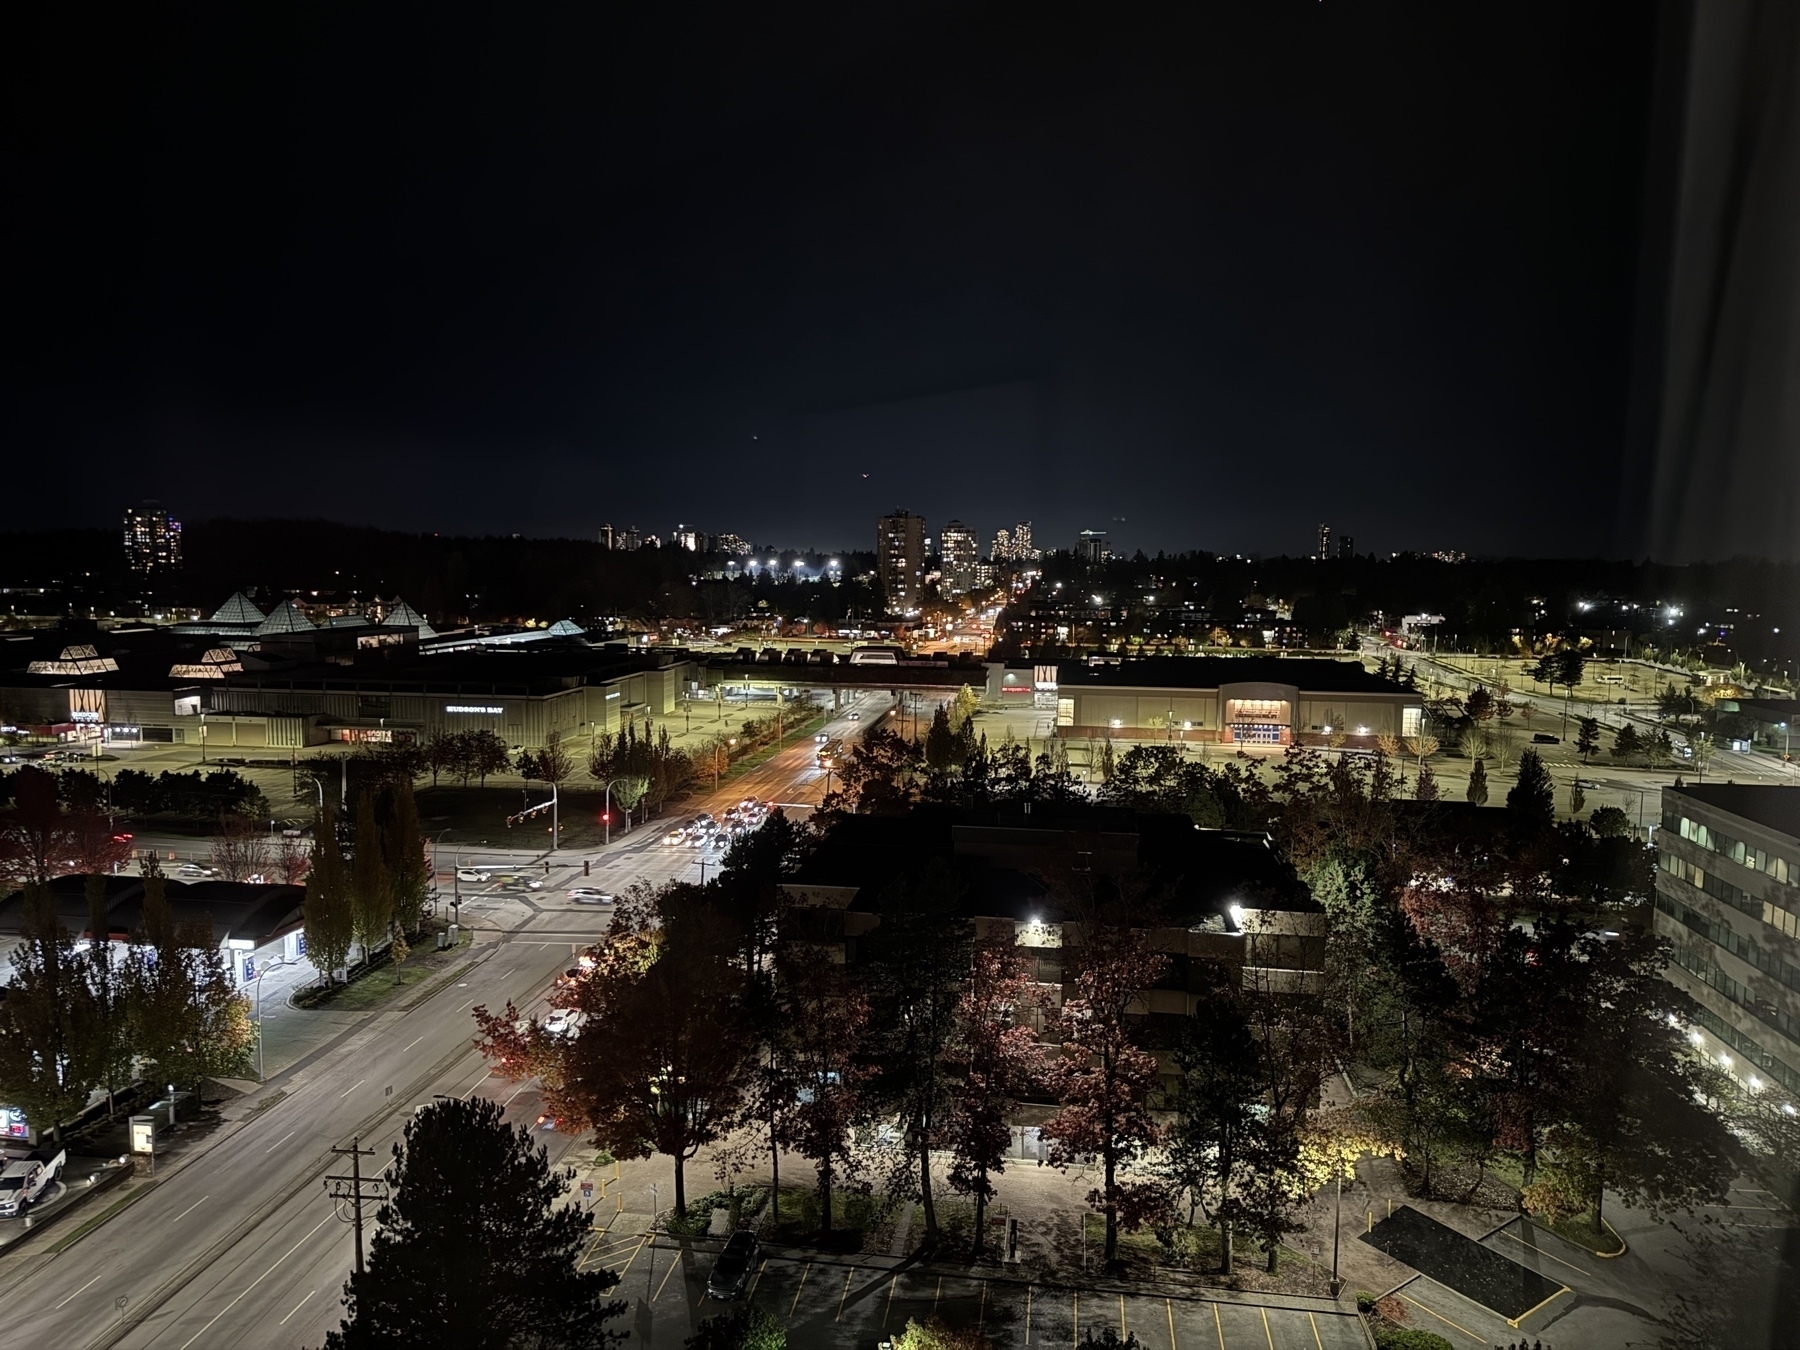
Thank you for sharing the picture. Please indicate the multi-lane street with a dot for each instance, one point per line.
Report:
(238, 1242)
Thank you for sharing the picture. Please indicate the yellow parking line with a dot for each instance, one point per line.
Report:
(675, 1262)
(1169, 1308)
(1218, 1326)
(981, 1312)
(846, 1294)
(760, 1268)
(1027, 1315)
(1269, 1335)
(1445, 1320)
(889, 1306)
(1121, 1317)
(1513, 1322)
(1075, 1315)
(1541, 1252)
(940, 1293)
(797, 1289)
(1315, 1326)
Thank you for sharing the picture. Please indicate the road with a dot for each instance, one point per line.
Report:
(239, 1245)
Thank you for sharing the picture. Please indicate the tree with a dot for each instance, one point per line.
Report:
(106, 1035)
(1533, 795)
(552, 764)
(663, 1060)
(918, 964)
(1478, 787)
(820, 1070)
(485, 753)
(1425, 788)
(40, 840)
(1102, 1077)
(240, 849)
(942, 744)
(45, 1070)
(290, 862)
(1626, 744)
(327, 914)
(1000, 1062)
(188, 1019)
(371, 888)
(471, 1248)
(1587, 738)
(404, 857)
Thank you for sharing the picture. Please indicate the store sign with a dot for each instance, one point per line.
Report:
(143, 1134)
(83, 715)
(482, 709)
(12, 1123)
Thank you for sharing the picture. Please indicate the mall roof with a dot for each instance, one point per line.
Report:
(237, 910)
(1771, 806)
(1011, 857)
(1310, 674)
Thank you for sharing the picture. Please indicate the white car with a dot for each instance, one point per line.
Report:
(564, 1022)
(470, 874)
(193, 871)
(27, 1181)
(675, 836)
(590, 895)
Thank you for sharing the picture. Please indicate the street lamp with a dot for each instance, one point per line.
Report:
(606, 810)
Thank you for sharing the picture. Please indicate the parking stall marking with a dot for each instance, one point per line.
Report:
(1440, 1317)
(1028, 1314)
(674, 1265)
(1267, 1334)
(1169, 1308)
(1218, 1326)
(797, 1289)
(1315, 1330)
(890, 1300)
(981, 1313)
(846, 1294)
(760, 1268)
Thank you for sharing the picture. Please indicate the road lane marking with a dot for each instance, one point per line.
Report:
(1121, 1317)
(72, 1297)
(279, 1142)
(258, 1280)
(889, 1307)
(190, 1209)
(352, 1088)
(414, 1041)
(981, 1312)
(846, 1294)
(486, 1073)
(797, 1289)
(296, 1308)
(1075, 1319)
(1315, 1326)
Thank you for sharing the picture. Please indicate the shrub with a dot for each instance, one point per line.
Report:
(1365, 1302)
(1406, 1338)
(746, 1327)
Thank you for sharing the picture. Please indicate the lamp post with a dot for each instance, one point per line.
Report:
(262, 971)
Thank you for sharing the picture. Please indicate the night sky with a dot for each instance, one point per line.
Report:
(1202, 275)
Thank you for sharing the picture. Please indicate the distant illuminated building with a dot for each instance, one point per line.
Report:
(900, 559)
(1346, 546)
(959, 548)
(1324, 543)
(1091, 546)
(686, 536)
(152, 539)
(732, 544)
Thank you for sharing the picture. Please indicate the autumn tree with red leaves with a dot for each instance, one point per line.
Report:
(1103, 1077)
(1000, 1061)
(40, 840)
(819, 1065)
(665, 1056)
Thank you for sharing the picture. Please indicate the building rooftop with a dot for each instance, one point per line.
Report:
(240, 910)
(1209, 672)
(1772, 807)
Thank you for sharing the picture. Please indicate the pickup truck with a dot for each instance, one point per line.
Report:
(27, 1181)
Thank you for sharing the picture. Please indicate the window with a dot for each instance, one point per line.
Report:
(1411, 720)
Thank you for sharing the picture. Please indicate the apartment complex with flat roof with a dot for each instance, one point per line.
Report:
(1728, 897)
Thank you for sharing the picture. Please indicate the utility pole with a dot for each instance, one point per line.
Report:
(350, 1188)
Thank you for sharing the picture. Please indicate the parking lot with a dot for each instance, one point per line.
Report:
(863, 1301)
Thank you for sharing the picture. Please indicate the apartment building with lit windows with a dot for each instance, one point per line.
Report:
(1728, 898)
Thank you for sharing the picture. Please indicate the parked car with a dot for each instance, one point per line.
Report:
(1545, 738)
(731, 1272)
(590, 895)
(27, 1181)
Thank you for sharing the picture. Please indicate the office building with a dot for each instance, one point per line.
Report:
(1346, 546)
(1728, 898)
(958, 550)
(1324, 542)
(732, 544)
(1003, 546)
(152, 539)
(686, 536)
(900, 559)
(1091, 546)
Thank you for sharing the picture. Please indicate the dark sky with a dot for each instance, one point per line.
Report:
(1202, 274)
